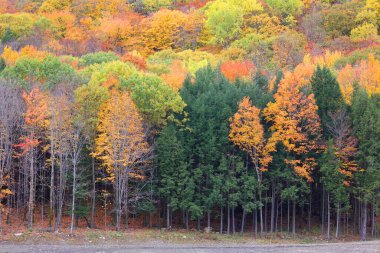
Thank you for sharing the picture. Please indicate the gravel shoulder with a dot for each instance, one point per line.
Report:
(357, 247)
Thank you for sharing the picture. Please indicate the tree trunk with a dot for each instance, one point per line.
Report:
(281, 215)
(73, 200)
(31, 191)
(187, 219)
(294, 218)
(118, 201)
(228, 219)
(233, 220)
(288, 216)
(221, 220)
(337, 221)
(373, 222)
(243, 222)
(255, 221)
(208, 219)
(355, 217)
(272, 213)
(328, 217)
(265, 213)
(364, 222)
(51, 201)
(261, 217)
(167, 216)
(323, 212)
(276, 220)
(93, 193)
(309, 216)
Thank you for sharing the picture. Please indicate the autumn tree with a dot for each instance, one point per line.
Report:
(122, 148)
(247, 133)
(295, 124)
(88, 100)
(225, 19)
(289, 49)
(237, 69)
(120, 33)
(171, 29)
(10, 122)
(35, 122)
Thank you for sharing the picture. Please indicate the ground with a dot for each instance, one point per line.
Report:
(357, 247)
(162, 241)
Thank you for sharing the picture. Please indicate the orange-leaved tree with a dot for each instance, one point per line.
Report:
(122, 147)
(345, 144)
(247, 132)
(176, 76)
(295, 123)
(35, 122)
(237, 69)
(366, 73)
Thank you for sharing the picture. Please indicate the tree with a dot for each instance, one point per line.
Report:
(48, 72)
(88, 99)
(155, 100)
(327, 95)
(35, 121)
(120, 33)
(225, 19)
(365, 73)
(295, 123)
(170, 29)
(287, 8)
(97, 58)
(175, 182)
(237, 69)
(10, 122)
(366, 121)
(60, 139)
(247, 133)
(176, 76)
(210, 101)
(288, 49)
(122, 148)
(364, 32)
(340, 19)
(333, 182)
(263, 24)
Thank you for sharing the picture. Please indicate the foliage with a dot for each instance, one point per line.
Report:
(295, 123)
(48, 72)
(364, 32)
(155, 100)
(327, 95)
(286, 8)
(237, 69)
(225, 18)
(97, 58)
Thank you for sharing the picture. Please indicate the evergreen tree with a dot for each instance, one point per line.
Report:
(175, 183)
(366, 123)
(327, 95)
(333, 183)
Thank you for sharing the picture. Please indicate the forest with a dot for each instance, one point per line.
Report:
(229, 116)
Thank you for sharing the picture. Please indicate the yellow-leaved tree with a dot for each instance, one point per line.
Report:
(122, 147)
(247, 133)
(294, 123)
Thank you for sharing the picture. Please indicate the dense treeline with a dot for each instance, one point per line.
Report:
(236, 116)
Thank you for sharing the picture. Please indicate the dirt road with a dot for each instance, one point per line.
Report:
(357, 247)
